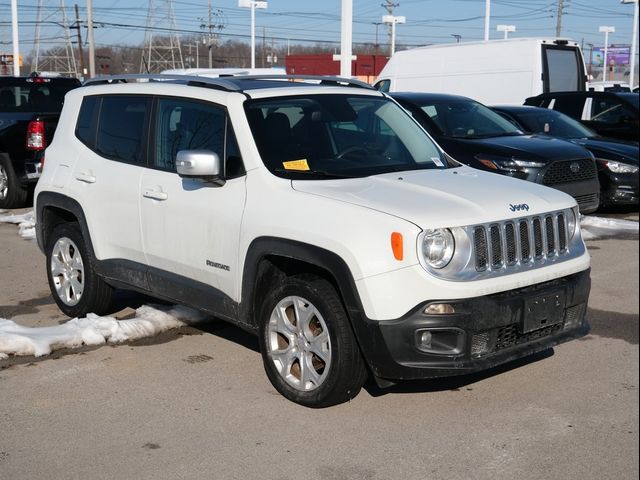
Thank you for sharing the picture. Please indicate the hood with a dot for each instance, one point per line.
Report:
(611, 149)
(537, 148)
(442, 198)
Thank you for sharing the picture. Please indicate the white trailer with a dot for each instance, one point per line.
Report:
(494, 72)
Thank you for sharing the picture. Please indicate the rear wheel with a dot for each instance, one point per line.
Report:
(75, 286)
(12, 193)
(308, 348)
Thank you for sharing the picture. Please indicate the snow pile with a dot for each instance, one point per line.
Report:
(93, 330)
(595, 227)
(26, 224)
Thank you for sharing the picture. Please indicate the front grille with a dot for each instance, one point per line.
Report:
(497, 246)
(509, 337)
(566, 171)
(501, 338)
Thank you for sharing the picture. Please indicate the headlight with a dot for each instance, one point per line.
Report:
(618, 167)
(572, 222)
(507, 164)
(438, 247)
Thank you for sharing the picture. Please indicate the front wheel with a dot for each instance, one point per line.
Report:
(308, 348)
(74, 284)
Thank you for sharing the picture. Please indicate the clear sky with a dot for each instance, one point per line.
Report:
(428, 21)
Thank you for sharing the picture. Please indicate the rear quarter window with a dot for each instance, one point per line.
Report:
(85, 127)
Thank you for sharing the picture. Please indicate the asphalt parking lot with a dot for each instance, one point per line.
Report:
(195, 402)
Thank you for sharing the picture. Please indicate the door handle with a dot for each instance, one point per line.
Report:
(155, 195)
(86, 177)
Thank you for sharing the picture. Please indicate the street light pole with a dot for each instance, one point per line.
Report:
(632, 63)
(390, 19)
(346, 38)
(14, 32)
(253, 4)
(487, 19)
(506, 29)
(606, 30)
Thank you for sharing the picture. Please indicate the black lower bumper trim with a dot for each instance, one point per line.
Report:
(493, 328)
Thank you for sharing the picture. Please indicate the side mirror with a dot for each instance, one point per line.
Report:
(203, 164)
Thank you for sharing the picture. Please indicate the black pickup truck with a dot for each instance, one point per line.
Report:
(29, 112)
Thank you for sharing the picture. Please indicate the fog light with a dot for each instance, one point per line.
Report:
(439, 309)
(425, 339)
(441, 341)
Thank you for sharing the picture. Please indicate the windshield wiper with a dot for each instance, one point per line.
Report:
(319, 173)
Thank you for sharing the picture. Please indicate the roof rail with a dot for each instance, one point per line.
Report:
(321, 79)
(218, 83)
(224, 82)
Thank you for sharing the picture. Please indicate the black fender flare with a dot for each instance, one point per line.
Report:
(321, 258)
(63, 202)
(367, 334)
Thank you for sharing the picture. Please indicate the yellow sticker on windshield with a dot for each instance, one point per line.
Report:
(296, 165)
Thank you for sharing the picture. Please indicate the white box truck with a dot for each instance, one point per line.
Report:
(494, 72)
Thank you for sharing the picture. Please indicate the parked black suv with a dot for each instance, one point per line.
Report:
(29, 111)
(610, 114)
(617, 160)
(475, 135)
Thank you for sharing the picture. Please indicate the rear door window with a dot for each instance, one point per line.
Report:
(121, 128)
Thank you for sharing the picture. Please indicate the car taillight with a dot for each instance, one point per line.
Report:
(35, 135)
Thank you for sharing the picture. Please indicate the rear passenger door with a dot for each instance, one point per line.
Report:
(191, 228)
(108, 171)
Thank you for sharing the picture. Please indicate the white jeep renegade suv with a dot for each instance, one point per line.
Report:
(318, 215)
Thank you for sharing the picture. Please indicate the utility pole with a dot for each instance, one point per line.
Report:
(92, 50)
(210, 40)
(376, 46)
(264, 35)
(79, 32)
(559, 17)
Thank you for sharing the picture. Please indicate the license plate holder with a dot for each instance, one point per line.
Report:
(543, 311)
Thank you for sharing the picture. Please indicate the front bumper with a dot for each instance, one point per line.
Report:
(490, 330)
(618, 188)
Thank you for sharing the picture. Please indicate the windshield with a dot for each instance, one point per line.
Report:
(553, 123)
(338, 136)
(468, 119)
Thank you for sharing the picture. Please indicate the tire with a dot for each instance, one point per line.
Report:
(308, 348)
(12, 193)
(75, 286)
